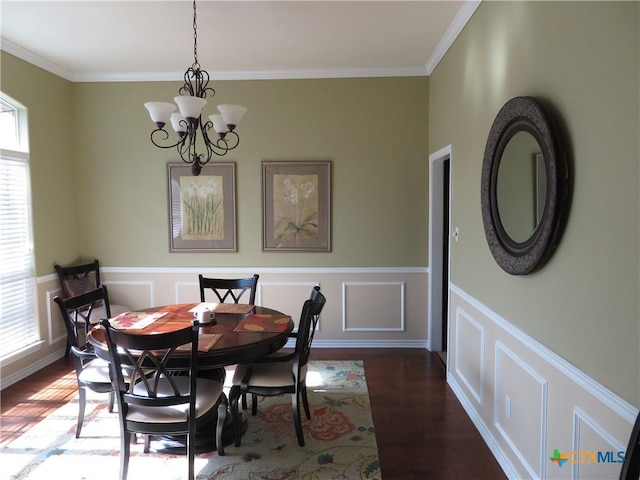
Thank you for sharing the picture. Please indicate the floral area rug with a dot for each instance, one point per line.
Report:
(340, 440)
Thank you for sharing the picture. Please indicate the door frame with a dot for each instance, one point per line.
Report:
(436, 235)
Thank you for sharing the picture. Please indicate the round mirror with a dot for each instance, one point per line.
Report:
(525, 187)
(521, 186)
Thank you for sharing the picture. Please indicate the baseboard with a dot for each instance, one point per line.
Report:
(501, 458)
(365, 344)
(31, 369)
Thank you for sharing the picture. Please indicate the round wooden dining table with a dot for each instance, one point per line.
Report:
(231, 347)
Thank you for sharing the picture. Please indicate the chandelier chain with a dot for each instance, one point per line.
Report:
(195, 35)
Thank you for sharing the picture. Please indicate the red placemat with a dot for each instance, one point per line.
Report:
(263, 323)
(135, 320)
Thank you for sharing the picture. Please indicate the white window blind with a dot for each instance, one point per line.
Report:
(18, 323)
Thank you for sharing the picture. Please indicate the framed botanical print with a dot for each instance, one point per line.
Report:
(296, 206)
(202, 209)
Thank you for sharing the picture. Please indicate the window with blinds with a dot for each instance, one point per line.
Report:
(18, 322)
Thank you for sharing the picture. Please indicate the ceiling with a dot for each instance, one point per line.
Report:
(153, 40)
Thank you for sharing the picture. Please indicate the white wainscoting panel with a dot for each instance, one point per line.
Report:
(520, 409)
(469, 354)
(134, 294)
(590, 441)
(287, 297)
(535, 401)
(187, 292)
(373, 306)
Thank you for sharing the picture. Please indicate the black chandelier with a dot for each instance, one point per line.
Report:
(188, 121)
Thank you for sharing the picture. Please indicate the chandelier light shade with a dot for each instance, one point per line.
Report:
(216, 135)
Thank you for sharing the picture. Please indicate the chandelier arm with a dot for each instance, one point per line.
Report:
(196, 83)
(184, 154)
(221, 145)
(230, 141)
(187, 87)
(202, 82)
(164, 136)
(184, 147)
(203, 129)
(206, 128)
(204, 159)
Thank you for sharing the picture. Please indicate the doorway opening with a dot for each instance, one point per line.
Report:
(439, 249)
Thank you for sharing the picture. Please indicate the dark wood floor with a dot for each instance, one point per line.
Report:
(421, 429)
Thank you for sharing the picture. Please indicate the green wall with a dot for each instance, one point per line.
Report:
(101, 188)
(49, 101)
(374, 131)
(583, 58)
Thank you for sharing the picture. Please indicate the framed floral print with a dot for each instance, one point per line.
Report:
(296, 206)
(202, 209)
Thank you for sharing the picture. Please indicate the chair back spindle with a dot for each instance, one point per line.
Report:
(231, 290)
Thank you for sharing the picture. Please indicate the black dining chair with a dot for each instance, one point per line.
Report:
(315, 295)
(157, 400)
(232, 289)
(82, 278)
(91, 372)
(281, 374)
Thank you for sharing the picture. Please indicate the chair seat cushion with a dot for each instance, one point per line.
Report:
(268, 374)
(208, 393)
(95, 371)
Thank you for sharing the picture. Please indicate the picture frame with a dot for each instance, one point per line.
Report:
(202, 209)
(296, 206)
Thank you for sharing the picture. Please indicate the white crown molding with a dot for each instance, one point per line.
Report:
(464, 15)
(40, 62)
(34, 59)
(256, 75)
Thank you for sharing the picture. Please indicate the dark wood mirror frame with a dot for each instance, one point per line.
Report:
(521, 258)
